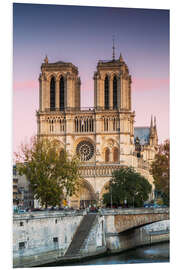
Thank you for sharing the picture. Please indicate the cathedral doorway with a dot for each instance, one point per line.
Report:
(84, 197)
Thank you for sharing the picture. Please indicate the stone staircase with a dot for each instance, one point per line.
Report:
(80, 235)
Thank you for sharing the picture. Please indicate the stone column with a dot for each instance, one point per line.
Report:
(43, 95)
(129, 92)
(47, 94)
(69, 91)
(121, 92)
(101, 93)
(40, 93)
(118, 92)
(77, 91)
(65, 91)
(95, 90)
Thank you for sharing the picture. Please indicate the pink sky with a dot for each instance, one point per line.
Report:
(147, 99)
(83, 35)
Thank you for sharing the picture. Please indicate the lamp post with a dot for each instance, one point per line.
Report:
(111, 197)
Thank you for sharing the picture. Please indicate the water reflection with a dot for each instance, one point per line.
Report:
(146, 254)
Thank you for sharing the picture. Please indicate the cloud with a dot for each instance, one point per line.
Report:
(143, 84)
(19, 85)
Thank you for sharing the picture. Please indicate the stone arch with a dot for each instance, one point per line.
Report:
(103, 189)
(115, 151)
(61, 74)
(85, 196)
(61, 152)
(78, 140)
(110, 143)
(107, 74)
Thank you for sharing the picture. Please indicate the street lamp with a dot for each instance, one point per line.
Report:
(136, 193)
(111, 196)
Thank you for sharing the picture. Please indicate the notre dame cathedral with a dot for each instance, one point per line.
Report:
(103, 136)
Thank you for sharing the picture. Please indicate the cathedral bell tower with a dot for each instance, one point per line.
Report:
(59, 86)
(112, 85)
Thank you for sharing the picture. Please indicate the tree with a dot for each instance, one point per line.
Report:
(160, 171)
(52, 174)
(126, 185)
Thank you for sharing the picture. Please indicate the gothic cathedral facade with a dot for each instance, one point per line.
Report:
(103, 136)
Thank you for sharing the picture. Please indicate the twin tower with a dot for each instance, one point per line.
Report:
(60, 86)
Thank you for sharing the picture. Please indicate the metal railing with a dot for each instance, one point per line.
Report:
(82, 109)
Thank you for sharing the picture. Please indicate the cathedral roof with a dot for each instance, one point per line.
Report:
(56, 65)
(143, 134)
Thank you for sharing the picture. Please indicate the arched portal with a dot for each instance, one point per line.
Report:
(85, 196)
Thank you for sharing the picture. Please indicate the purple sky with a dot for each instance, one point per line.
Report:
(83, 35)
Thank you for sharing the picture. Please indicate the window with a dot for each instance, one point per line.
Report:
(105, 124)
(115, 155)
(107, 152)
(21, 245)
(106, 93)
(61, 96)
(85, 150)
(52, 94)
(115, 93)
(55, 239)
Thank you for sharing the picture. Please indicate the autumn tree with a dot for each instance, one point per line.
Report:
(126, 185)
(160, 171)
(52, 174)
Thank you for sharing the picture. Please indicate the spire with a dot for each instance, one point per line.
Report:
(121, 58)
(155, 122)
(46, 60)
(113, 53)
(151, 126)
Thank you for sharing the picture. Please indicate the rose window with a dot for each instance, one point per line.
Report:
(85, 149)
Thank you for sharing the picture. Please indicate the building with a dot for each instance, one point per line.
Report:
(22, 194)
(15, 187)
(103, 135)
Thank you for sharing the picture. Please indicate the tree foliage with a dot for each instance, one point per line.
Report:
(127, 185)
(52, 174)
(160, 171)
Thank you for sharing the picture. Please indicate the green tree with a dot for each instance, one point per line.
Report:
(127, 185)
(160, 171)
(52, 174)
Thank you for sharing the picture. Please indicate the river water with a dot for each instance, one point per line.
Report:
(146, 254)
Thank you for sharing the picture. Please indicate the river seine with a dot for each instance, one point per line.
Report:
(147, 254)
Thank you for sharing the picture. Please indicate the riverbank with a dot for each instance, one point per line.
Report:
(121, 257)
(45, 238)
(54, 258)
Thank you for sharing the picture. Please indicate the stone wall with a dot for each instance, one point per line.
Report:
(44, 237)
(43, 232)
(149, 234)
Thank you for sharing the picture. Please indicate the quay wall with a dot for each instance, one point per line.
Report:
(44, 237)
(146, 235)
(43, 233)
